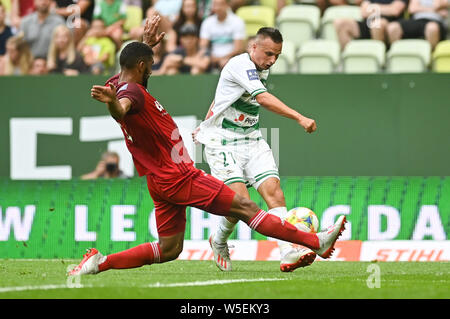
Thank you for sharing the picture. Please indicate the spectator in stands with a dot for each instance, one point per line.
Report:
(62, 55)
(5, 31)
(164, 26)
(38, 27)
(159, 55)
(204, 8)
(428, 20)
(168, 8)
(107, 167)
(376, 16)
(20, 9)
(39, 67)
(78, 14)
(18, 58)
(224, 32)
(113, 13)
(188, 58)
(188, 15)
(98, 50)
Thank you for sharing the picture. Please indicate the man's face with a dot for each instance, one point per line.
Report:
(111, 163)
(219, 7)
(42, 6)
(39, 67)
(264, 52)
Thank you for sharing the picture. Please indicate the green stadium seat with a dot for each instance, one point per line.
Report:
(318, 56)
(364, 56)
(134, 18)
(337, 12)
(256, 17)
(441, 57)
(286, 59)
(409, 56)
(299, 23)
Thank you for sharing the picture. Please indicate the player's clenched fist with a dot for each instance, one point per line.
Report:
(105, 94)
(308, 124)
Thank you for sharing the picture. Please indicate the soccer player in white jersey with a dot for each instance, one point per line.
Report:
(235, 149)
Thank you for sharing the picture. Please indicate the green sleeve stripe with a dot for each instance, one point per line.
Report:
(258, 91)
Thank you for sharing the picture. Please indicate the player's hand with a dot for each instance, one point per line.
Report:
(194, 135)
(308, 124)
(150, 36)
(105, 94)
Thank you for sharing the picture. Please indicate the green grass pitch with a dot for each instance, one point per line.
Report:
(249, 280)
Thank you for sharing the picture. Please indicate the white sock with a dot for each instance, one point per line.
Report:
(281, 212)
(224, 231)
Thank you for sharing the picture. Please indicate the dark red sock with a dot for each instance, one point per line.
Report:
(144, 254)
(272, 226)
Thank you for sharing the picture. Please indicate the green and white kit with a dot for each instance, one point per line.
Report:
(234, 146)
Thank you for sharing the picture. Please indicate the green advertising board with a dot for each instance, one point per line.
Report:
(368, 125)
(60, 219)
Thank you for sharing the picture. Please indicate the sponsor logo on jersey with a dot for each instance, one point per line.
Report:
(252, 74)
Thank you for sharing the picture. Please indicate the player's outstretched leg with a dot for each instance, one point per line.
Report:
(168, 248)
(94, 262)
(291, 257)
(269, 225)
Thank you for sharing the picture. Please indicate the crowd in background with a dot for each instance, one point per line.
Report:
(74, 37)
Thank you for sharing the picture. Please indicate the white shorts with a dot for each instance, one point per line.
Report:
(246, 161)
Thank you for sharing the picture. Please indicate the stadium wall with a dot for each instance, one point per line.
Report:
(380, 156)
(60, 219)
(368, 125)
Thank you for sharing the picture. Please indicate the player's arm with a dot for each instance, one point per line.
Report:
(151, 36)
(273, 104)
(107, 94)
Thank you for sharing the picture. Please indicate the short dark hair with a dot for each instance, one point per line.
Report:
(272, 33)
(133, 53)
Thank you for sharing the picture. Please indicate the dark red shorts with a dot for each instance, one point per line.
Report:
(196, 189)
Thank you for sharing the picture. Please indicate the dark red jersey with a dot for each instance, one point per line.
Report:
(151, 135)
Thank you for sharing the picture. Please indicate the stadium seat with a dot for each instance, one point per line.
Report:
(134, 18)
(318, 56)
(256, 17)
(441, 57)
(286, 59)
(269, 3)
(336, 12)
(299, 23)
(364, 56)
(409, 56)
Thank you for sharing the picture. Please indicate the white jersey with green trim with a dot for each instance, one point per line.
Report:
(235, 114)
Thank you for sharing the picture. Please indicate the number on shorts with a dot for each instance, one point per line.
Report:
(225, 163)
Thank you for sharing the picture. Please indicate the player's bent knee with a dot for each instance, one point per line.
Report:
(171, 254)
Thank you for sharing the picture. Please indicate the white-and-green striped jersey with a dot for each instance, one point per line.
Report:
(235, 114)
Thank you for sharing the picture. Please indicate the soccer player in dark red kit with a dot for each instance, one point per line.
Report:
(174, 183)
